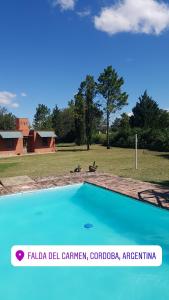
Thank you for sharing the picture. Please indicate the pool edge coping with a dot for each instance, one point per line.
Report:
(144, 192)
(39, 190)
(128, 196)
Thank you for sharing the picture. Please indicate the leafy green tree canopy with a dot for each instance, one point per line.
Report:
(7, 120)
(56, 120)
(42, 118)
(63, 123)
(145, 113)
(163, 119)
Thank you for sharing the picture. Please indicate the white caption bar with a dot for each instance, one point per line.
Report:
(86, 256)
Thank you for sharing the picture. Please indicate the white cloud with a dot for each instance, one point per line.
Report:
(64, 4)
(23, 94)
(15, 105)
(137, 16)
(7, 98)
(84, 13)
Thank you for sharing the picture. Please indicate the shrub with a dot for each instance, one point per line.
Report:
(147, 139)
(99, 138)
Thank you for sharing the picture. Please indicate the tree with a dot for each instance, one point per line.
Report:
(63, 123)
(79, 116)
(109, 86)
(145, 113)
(7, 120)
(97, 117)
(42, 118)
(125, 121)
(88, 91)
(116, 124)
(67, 132)
(163, 119)
(56, 120)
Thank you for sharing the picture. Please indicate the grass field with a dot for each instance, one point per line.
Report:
(153, 166)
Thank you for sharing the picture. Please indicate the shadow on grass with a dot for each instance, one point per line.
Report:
(71, 150)
(66, 145)
(165, 183)
(166, 156)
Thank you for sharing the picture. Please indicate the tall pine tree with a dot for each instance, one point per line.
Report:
(88, 91)
(109, 86)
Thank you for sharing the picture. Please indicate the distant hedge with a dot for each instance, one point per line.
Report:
(153, 139)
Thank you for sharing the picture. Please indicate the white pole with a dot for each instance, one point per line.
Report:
(136, 152)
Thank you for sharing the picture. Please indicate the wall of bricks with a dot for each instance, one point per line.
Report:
(15, 149)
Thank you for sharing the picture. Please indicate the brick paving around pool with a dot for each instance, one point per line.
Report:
(147, 192)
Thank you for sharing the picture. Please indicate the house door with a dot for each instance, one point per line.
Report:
(25, 144)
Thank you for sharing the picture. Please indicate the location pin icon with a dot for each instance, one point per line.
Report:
(19, 255)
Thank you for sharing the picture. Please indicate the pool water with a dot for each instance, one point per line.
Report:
(57, 216)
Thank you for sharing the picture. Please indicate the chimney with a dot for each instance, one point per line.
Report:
(22, 124)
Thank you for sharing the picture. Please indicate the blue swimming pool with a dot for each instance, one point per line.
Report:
(57, 216)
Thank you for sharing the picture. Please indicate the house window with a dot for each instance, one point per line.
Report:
(9, 143)
(45, 142)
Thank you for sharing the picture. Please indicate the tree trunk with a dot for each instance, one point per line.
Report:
(108, 141)
(88, 145)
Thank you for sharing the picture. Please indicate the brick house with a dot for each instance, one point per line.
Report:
(41, 141)
(24, 140)
(11, 143)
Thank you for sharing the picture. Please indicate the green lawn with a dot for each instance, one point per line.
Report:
(153, 166)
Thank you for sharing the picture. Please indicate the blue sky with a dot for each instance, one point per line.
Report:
(48, 47)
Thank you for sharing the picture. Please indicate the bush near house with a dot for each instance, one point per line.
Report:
(152, 139)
